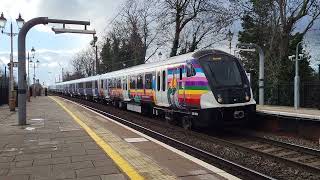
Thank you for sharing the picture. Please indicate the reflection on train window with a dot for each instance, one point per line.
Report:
(163, 80)
(139, 82)
(119, 83)
(190, 70)
(148, 81)
(89, 84)
(132, 83)
(158, 82)
(125, 84)
(110, 83)
(224, 72)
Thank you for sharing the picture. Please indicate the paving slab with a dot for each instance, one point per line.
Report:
(51, 146)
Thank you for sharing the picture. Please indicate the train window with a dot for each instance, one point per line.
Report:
(133, 83)
(101, 82)
(110, 83)
(190, 70)
(96, 84)
(148, 81)
(158, 82)
(163, 80)
(180, 73)
(139, 82)
(89, 84)
(114, 83)
(119, 83)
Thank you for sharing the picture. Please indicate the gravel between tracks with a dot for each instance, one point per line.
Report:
(292, 140)
(266, 166)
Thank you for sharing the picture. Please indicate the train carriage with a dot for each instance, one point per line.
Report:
(205, 88)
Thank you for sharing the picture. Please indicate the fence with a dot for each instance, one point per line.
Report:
(283, 94)
(4, 91)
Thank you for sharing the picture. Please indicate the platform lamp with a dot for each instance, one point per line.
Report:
(34, 77)
(20, 23)
(33, 53)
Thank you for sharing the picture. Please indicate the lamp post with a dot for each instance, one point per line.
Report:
(94, 45)
(34, 77)
(33, 51)
(229, 37)
(296, 58)
(61, 80)
(20, 23)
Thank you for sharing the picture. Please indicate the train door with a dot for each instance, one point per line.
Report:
(100, 88)
(106, 88)
(94, 88)
(181, 86)
(125, 92)
(162, 89)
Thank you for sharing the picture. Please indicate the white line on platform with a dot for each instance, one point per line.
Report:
(210, 167)
(298, 115)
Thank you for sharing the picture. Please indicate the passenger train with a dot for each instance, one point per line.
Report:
(203, 88)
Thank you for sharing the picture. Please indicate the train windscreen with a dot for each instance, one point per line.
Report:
(224, 71)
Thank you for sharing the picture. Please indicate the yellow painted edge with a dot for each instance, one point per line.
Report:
(121, 162)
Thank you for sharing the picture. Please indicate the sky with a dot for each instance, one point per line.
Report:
(56, 51)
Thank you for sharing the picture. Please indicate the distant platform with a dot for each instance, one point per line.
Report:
(290, 112)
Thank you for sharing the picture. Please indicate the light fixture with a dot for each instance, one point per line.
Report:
(3, 21)
(20, 21)
(33, 52)
(229, 35)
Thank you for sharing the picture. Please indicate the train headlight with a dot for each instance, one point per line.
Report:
(220, 100)
(247, 97)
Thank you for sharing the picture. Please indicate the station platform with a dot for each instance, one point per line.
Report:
(64, 140)
(286, 111)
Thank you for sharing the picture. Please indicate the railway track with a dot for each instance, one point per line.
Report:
(294, 155)
(290, 155)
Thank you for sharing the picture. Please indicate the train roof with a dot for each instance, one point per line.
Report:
(143, 67)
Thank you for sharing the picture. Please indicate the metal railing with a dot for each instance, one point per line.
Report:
(282, 94)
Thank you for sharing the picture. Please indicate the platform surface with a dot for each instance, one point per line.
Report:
(305, 113)
(52, 146)
(67, 141)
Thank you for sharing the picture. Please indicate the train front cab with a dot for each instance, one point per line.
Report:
(230, 100)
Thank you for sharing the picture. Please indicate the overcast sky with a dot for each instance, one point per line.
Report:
(55, 51)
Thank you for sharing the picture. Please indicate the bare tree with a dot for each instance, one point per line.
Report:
(197, 21)
(83, 62)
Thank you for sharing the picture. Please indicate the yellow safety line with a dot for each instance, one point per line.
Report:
(121, 162)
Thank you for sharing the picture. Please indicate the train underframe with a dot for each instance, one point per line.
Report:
(187, 118)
